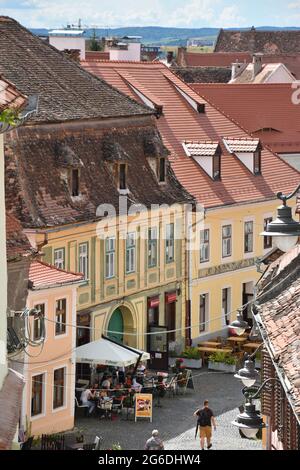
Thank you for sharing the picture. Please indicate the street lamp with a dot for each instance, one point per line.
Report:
(250, 421)
(239, 325)
(248, 374)
(284, 230)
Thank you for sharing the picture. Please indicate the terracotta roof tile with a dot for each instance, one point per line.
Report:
(43, 275)
(268, 111)
(10, 96)
(204, 149)
(66, 91)
(241, 145)
(17, 244)
(181, 122)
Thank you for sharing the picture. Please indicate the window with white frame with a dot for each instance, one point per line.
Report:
(37, 394)
(59, 258)
(110, 253)
(37, 322)
(60, 317)
(169, 243)
(267, 240)
(204, 245)
(130, 252)
(152, 247)
(203, 312)
(248, 237)
(84, 259)
(226, 240)
(59, 387)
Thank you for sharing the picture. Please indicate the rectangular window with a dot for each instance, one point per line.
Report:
(248, 237)
(226, 240)
(122, 176)
(152, 247)
(37, 394)
(84, 259)
(130, 253)
(162, 170)
(267, 240)
(257, 162)
(37, 323)
(204, 245)
(203, 312)
(226, 294)
(110, 252)
(217, 167)
(59, 258)
(75, 182)
(59, 388)
(60, 317)
(169, 243)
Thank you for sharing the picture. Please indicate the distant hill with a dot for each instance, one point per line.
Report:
(157, 35)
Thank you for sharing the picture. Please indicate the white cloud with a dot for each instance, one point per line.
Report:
(294, 5)
(230, 17)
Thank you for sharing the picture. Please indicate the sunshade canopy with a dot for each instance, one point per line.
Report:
(104, 351)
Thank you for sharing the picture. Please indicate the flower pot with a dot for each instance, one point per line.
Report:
(190, 363)
(222, 367)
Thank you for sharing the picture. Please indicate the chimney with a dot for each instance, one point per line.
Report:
(257, 64)
(181, 57)
(170, 57)
(236, 69)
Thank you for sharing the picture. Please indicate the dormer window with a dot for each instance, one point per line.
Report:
(122, 177)
(75, 182)
(162, 170)
(207, 155)
(248, 151)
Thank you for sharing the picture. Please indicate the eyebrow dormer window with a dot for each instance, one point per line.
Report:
(257, 162)
(122, 176)
(75, 182)
(162, 170)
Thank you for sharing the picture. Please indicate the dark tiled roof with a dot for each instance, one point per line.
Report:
(37, 192)
(203, 74)
(268, 42)
(279, 307)
(17, 244)
(66, 91)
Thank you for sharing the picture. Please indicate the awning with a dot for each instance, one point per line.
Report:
(107, 352)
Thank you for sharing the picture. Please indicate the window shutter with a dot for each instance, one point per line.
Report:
(47, 250)
(267, 371)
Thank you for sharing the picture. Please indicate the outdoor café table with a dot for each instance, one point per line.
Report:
(249, 347)
(212, 344)
(207, 350)
(238, 340)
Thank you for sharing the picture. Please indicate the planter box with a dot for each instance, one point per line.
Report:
(190, 363)
(222, 367)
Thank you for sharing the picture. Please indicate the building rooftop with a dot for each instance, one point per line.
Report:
(252, 40)
(267, 70)
(279, 308)
(17, 244)
(268, 111)
(10, 96)
(189, 117)
(203, 74)
(45, 276)
(66, 91)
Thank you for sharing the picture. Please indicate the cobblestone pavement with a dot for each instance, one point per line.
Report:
(175, 419)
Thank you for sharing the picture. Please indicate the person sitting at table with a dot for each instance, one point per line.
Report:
(137, 387)
(107, 383)
(118, 394)
(128, 382)
(86, 398)
(95, 389)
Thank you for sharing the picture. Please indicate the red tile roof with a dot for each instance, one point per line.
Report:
(241, 145)
(180, 122)
(44, 276)
(17, 244)
(266, 110)
(205, 149)
(10, 97)
(279, 309)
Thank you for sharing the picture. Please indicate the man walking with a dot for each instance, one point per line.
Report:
(154, 443)
(205, 421)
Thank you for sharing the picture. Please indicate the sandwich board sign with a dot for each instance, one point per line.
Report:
(143, 406)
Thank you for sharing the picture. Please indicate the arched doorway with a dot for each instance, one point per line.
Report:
(122, 323)
(116, 325)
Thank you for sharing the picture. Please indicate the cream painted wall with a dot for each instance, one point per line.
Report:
(3, 271)
(203, 282)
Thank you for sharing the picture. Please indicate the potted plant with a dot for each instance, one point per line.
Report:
(223, 362)
(190, 358)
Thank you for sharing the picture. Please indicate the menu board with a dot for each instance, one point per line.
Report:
(143, 406)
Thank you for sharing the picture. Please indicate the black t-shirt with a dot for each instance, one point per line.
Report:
(204, 417)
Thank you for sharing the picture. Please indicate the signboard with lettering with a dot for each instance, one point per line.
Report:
(143, 406)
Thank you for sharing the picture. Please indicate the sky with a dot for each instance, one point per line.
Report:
(175, 13)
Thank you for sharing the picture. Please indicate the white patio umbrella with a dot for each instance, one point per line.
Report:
(107, 352)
